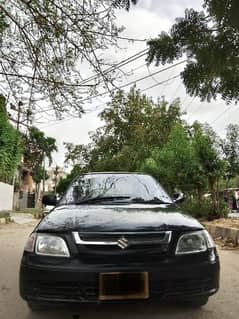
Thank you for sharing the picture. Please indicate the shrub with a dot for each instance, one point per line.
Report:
(204, 209)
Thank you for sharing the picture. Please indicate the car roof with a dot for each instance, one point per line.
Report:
(108, 173)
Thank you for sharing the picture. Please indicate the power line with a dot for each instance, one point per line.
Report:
(83, 82)
(42, 79)
(150, 73)
(96, 107)
(186, 108)
(195, 111)
(163, 87)
(56, 122)
(160, 83)
(112, 68)
(117, 65)
(59, 122)
(138, 67)
(175, 92)
(118, 36)
(221, 114)
(135, 81)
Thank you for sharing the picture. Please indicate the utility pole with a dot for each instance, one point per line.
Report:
(56, 173)
(19, 114)
(17, 127)
(44, 174)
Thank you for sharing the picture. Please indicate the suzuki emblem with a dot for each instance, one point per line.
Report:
(123, 243)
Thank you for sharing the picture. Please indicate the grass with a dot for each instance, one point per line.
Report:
(36, 212)
(6, 216)
(32, 211)
(203, 209)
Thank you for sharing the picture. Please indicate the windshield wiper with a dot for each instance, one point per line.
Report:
(154, 200)
(98, 199)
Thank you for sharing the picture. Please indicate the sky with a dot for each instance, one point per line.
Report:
(143, 21)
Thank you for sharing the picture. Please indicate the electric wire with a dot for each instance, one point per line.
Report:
(103, 104)
(221, 114)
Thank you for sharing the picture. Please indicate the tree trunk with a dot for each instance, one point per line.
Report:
(227, 182)
(37, 194)
(199, 193)
(212, 184)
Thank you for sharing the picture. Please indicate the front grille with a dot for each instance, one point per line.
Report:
(121, 248)
(133, 238)
(85, 291)
(70, 291)
(185, 287)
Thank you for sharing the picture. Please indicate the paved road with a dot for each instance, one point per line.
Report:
(22, 218)
(224, 305)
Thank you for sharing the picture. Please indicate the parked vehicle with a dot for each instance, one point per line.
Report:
(231, 196)
(117, 237)
(52, 199)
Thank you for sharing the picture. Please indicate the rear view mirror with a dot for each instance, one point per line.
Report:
(50, 200)
(178, 197)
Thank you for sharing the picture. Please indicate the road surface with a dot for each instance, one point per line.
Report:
(224, 305)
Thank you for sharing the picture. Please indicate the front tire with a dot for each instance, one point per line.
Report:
(198, 302)
(36, 306)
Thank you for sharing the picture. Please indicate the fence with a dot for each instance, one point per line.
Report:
(6, 196)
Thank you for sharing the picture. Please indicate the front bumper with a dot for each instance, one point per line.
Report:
(72, 282)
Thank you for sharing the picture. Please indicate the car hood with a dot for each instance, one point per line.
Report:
(110, 218)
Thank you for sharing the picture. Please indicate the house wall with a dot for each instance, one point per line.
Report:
(6, 196)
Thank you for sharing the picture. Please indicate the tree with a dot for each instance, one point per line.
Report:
(134, 124)
(210, 40)
(190, 161)
(207, 146)
(176, 164)
(64, 182)
(39, 174)
(47, 46)
(76, 154)
(11, 145)
(38, 148)
(230, 147)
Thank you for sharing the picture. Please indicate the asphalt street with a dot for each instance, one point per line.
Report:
(224, 305)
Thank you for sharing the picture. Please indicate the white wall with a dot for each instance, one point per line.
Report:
(6, 196)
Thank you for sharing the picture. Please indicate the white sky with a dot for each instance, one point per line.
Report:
(145, 20)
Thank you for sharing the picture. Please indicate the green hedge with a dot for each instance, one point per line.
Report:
(203, 209)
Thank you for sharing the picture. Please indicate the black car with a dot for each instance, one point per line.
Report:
(117, 237)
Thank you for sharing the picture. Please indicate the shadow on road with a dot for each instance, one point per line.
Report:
(121, 311)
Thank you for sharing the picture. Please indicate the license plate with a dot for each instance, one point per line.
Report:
(120, 285)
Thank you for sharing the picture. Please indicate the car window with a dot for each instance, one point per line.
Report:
(115, 185)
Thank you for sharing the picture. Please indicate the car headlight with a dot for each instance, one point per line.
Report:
(50, 245)
(30, 244)
(194, 242)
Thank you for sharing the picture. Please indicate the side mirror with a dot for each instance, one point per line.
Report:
(178, 197)
(50, 200)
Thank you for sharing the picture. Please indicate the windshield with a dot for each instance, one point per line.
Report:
(120, 187)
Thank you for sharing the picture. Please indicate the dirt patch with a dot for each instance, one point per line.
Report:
(225, 232)
(231, 222)
(226, 244)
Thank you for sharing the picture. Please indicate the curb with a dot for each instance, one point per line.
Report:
(228, 234)
(5, 217)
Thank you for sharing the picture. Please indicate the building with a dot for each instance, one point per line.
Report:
(54, 175)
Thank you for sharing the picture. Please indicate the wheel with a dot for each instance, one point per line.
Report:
(36, 306)
(198, 302)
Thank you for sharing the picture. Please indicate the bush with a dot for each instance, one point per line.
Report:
(32, 211)
(10, 145)
(204, 208)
